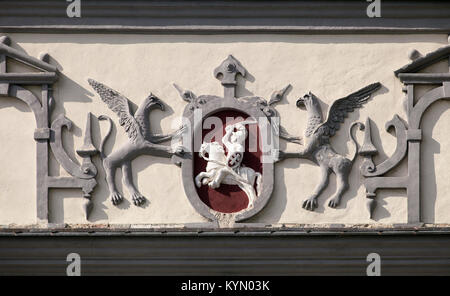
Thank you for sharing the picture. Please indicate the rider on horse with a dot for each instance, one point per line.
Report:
(234, 141)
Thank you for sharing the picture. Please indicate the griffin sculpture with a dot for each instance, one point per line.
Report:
(317, 146)
(141, 140)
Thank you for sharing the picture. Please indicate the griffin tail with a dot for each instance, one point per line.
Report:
(102, 144)
(361, 127)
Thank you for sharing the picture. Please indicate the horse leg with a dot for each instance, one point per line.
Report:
(199, 178)
(204, 177)
(219, 178)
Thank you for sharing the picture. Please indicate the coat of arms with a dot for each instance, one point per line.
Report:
(228, 170)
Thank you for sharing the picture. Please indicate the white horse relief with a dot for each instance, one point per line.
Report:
(228, 169)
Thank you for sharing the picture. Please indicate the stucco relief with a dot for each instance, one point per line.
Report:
(141, 140)
(317, 141)
(228, 169)
(409, 134)
(208, 165)
(224, 161)
(12, 85)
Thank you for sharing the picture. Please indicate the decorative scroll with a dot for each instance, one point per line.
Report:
(11, 84)
(370, 170)
(409, 136)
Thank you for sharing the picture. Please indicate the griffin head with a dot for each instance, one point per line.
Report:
(310, 102)
(153, 101)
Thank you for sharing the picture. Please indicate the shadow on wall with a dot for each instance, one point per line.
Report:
(77, 129)
(380, 211)
(241, 89)
(8, 102)
(430, 147)
(18, 181)
(102, 193)
(57, 109)
(356, 180)
(278, 201)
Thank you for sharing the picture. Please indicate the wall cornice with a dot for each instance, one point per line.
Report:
(238, 256)
(252, 231)
(225, 17)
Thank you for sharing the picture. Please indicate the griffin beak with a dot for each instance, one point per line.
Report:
(155, 102)
(300, 102)
(160, 105)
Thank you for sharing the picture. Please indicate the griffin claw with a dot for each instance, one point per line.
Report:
(310, 204)
(116, 198)
(333, 203)
(138, 199)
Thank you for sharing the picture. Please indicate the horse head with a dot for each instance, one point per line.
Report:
(214, 150)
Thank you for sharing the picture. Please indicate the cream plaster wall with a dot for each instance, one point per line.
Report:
(135, 65)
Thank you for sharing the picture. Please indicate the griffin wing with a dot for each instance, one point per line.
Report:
(120, 105)
(342, 107)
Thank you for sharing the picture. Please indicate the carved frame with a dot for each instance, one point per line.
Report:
(229, 68)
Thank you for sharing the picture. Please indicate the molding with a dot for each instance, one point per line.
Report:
(43, 65)
(408, 254)
(118, 231)
(423, 78)
(29, 78)
(420, 62)
(225, 17)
